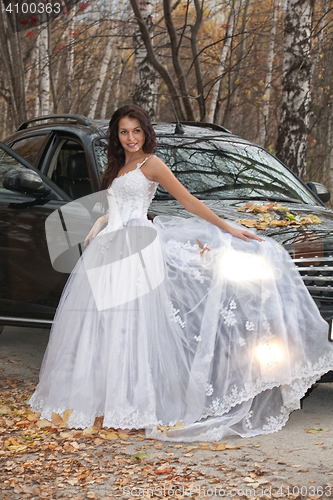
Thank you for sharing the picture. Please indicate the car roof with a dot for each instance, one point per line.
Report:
(84, 126)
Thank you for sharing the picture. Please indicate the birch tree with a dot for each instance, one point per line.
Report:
(145, 88)
(291, 147)
(222, 65)
(156, 63)
(70, 60)
(330, 156)
(11, 55)
(268, 80)
(100, 79)
(44, 71)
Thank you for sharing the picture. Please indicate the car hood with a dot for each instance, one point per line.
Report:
(309, 240)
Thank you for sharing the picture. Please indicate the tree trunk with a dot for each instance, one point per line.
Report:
(291, 147)
(44, 71)
(36, 79)
(267, 93)
(70, 61)
(10, 48)
(232, 83)
(29, 72)
(196, 61)
(98, 85)
(224, 54)
(330, 158)
(145, 86)
(320, 37)
(107, 92)
(52, 83)
(117, 78)
(181, 80)
(160, 68)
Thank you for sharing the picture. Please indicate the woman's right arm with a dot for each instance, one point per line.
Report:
(96, 228)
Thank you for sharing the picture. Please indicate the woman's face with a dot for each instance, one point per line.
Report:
(131, 135)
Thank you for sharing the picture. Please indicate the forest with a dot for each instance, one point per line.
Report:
(260, 68)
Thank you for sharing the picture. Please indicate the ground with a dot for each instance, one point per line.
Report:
(47, 460)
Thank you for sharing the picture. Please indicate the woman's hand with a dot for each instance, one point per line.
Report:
(96, 229)
(243, 234)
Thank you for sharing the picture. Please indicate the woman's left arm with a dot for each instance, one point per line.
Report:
(157, 171)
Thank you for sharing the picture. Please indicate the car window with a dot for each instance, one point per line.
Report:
(231, 171)
(68, 169)
(100, 153)
(7, 162)
(29, 148)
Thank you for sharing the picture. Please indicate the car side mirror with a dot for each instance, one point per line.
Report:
(25, 181)
(320, 190)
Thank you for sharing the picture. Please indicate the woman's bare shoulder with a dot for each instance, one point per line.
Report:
(153, 168)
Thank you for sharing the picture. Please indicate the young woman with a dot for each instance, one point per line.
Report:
(190, 328)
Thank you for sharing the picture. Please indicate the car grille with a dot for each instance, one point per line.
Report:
(317, 274)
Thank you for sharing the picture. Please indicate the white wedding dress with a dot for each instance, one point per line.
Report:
(175, 321)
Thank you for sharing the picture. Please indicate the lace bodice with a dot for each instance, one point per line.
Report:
(129, 197)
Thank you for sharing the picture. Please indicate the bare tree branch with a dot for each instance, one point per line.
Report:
(155, 62)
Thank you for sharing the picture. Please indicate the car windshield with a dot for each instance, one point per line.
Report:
(217, 170)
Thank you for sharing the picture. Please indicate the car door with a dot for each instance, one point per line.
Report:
(29, 286)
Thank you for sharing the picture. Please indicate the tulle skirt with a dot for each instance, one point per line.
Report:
(179, 328)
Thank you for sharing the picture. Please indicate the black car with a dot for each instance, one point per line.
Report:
(52, 160)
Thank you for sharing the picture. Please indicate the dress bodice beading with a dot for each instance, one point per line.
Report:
(129, 197)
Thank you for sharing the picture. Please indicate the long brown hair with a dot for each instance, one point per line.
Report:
(115, 151)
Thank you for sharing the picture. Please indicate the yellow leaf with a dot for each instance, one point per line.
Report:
(220, 447)
(33, 416)
(5, 410)
(315, 431)
(122, 435)
(165, 428)
(247, 222)
(89, 431)
(20, 447)
(68, 434)
(43, 424)
(189, 448)
(56, 419)
(66, 415)
(204, 446)
(109, 435)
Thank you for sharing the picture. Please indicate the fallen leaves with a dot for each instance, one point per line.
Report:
(53, 461)
(315, 430)
(274, 215)
(166, 428)
(139, 456)
(204, 248)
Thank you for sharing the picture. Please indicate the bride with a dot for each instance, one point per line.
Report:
(192, 329)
